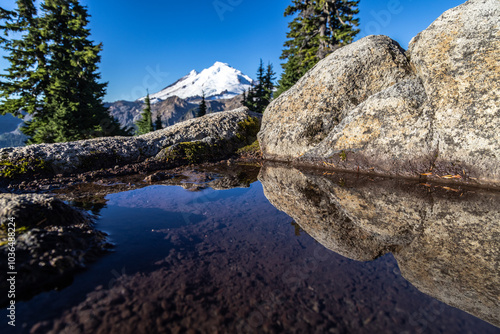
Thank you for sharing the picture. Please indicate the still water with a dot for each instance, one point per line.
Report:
(295, 252)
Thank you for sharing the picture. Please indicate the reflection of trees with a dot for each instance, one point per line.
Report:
(297, 229)
(91, 196)
(92, 204)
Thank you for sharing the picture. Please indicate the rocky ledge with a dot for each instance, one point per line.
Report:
(211, 137)
(432, 111)
(52, 241)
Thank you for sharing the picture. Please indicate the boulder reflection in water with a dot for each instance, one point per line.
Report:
(446, 242)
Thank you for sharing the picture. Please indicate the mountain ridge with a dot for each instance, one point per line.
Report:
(171, 110)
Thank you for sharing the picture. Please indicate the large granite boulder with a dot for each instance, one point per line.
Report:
(217, 133)
(371, 106)
(305, 114)
(458, 61)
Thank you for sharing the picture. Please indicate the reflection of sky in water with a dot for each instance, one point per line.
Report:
(229, 259)
(173, 197)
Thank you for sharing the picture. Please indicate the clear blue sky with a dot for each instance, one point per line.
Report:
(151, 43)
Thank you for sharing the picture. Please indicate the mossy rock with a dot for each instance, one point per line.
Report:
(212, 149)
(193, 152)
(253, 148)
(23, 167)
(248, 129)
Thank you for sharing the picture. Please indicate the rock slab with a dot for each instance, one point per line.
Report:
(227, 131)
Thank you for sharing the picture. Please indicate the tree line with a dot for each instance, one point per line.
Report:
(259, 96)
(53, 76)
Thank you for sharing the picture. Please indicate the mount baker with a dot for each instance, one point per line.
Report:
(221, 84)
(220, 81)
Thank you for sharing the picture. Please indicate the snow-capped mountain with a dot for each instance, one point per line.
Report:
(220, 81)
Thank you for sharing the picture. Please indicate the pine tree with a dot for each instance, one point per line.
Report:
(249, 98)
(54, 74)
(244, 98)
(202, 109)
(320, 27)
(260, 101)
(158, 123)
(145, 124)
(23, 86)
(269, 78)
(259, 96)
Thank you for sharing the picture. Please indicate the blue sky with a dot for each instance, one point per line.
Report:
(151, 43)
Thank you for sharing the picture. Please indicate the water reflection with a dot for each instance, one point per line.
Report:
(446, 240)
(92, 196)
(228, 261)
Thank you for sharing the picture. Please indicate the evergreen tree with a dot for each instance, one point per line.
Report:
(249, 98)
(23, 86)
(259, 100)
(244, 98)
(145, 124)
(202, 109)
(158, 124)
(269, 78)
(54, 74)
(320, 26)
(259, 96)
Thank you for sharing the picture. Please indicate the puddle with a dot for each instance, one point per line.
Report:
(344, 255)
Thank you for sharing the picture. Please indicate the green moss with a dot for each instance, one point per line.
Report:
(22, 229)
(22, 167)
(191, 152)
(253, 148)
(194, 150)
(4, 238)
(343, 156)
(248, 129)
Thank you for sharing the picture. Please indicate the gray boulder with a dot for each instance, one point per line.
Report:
(304, 115)
(227, 131)
(458, 61)
(371, 107)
